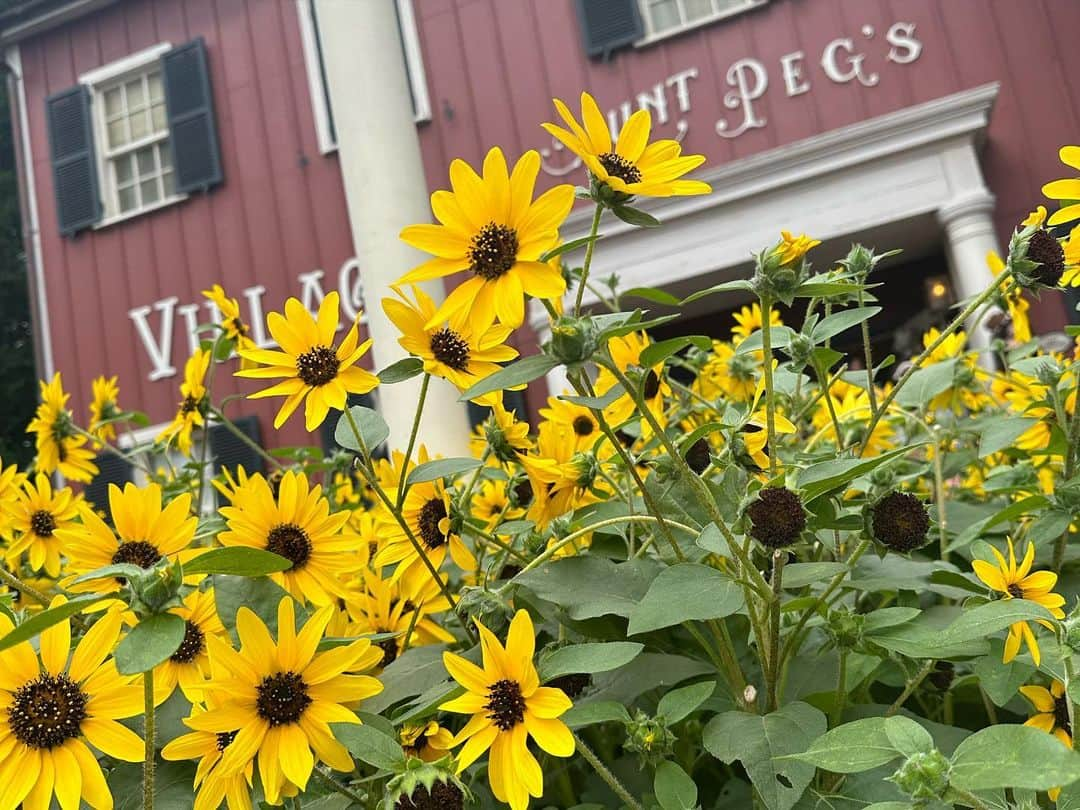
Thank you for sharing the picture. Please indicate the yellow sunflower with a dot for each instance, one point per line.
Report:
(508, 705)
(313, 371)
(145, 532)
(492, 227)
(581, 421)
(193, 404)
(728, 375)
(503, 433)
(631, 166)
(211, 786)
(1067, 190)
(1071, 248)
(233, 325)
(278, 697)
(463, 350)
(1020, 582)
(11, 481)
(1015, 302)
(792, 248)
(1051, 715)
(105, 392)
(426, 511)
(655, 391)
(749, 319)
(427, 741)
(59, 446)
(298, 526)
(56, 703)
(382, 608)
(36, 513)
(491, 504)
(562, 478)
(189, 666)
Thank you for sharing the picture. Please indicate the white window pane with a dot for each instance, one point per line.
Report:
(149, 190)
(147, 164)
(123, 170)
(665, 15)
(164, 156)
(170, 185)
(114, 101)
(157, 91)
(136, 98)
(697, 9)
(158, 114)
(118, 133)
(127, 199)
(724, 5)
(140, 125)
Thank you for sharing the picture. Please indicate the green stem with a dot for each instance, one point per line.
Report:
(939, 497)
(1072, 450)
(916, 364)
(770, 397)
(868, 356)
(230, 426)
(912, 685)
(602, 771)
(403, 489)
(13, 581)
(148, 733)
(337, 787)
(772, 700)
(1069, 677)
(970, 799)
(822, 373)
(588, 258)
(841, 689)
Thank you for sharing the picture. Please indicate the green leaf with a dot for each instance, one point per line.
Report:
(852, 748)
(404, 369)
(441, 468)
(657, 353)
(373, 429)
(926, 383)
(517, 373)
(367, 743)
(239, 561)
(587, 587)
(652, 294)
(817, 479)
(685, 592)
(680, 703)
(883, 618)
(841, 321)
(673, 788)
(999, 680)
(412, 673)
(798, 575)
(597, 403)
(635, 216)
(596, 711)
(712, 541)
(586, 659)
(762, 745)
(258, 594)
(907, 736)
(1001, 432)
(149, 643)
(567, 247)
(109, 571)
(47, 618)
(737, 285)
(984, 620)
(1013, 756)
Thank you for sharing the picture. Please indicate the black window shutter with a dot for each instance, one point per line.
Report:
(231, 453)
(192, 126)
(71, 145)
(609, 24)
(111, 470)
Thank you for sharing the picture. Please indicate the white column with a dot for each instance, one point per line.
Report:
(385, 190)
(969, 236)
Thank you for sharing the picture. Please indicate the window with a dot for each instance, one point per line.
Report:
(316, 69)
(665, 18)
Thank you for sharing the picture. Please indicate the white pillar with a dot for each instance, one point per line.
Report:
(969, 236)
(385, 190)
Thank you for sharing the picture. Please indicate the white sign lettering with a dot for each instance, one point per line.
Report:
(841, 61)
(159, 347)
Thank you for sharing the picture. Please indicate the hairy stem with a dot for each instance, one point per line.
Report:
(588, 258)
(608, 777)
(148, 734)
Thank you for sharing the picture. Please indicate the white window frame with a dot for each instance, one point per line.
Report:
(96, 81)
(414, 64)
(652, 35)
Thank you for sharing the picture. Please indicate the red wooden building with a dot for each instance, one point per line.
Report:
(165, 145)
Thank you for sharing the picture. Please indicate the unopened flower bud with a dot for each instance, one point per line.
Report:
(649, 737)
(899, 521)
(923, 775)
(574, 340)
(423, 785)
(777, 517)
(484, 606)
(846, 628)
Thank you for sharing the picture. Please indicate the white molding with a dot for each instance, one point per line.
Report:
(913, 162)
(129, 64)
(51, 19)
(651, 37)
(414, 61)
(13, 59)
(320, 110)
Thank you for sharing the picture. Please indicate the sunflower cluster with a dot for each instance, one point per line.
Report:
(665, 569)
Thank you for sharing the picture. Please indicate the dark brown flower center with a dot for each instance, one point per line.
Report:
(281, 698)
(583, 425)
(1061, 714)
(238, 326)
(618, 166)
(42, 523)
(136, 552)
(432, 514)
(389, 648)
(188, 405)
(317, 366)
(47, 711)
(442, 796)
(651, 387)
(506, 704)
(1046, 251)
(224, 739)
(493, 251)
(777, 517)
(1015, 591)
(450, 349)
(291, 542)
(194, 643)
